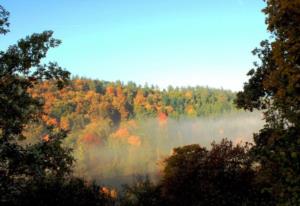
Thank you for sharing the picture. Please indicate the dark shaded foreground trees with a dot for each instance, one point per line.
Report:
(222, 175)
(68, 191)
(194, 175)
(142, 192)
(274, 86)
(37, 173)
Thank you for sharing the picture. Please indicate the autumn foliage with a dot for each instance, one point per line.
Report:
(117, 101)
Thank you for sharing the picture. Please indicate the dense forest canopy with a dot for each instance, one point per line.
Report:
(118, 101)
(85, 102)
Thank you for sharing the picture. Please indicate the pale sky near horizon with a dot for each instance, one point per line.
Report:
(161, 42)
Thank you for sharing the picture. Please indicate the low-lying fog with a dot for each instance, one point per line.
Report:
(139, 147)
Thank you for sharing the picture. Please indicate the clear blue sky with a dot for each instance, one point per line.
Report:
(162, 42)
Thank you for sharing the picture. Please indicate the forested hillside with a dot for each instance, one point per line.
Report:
(118, 129)
(84, 101)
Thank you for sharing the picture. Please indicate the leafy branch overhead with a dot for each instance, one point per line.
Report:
(4, 24)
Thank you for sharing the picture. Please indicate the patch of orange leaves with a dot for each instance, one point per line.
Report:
(46, 138)
(113, 194)
(121, 133)
(49, 121)
(110, 193)
(134, 140)
(162, 118)
(110, 90)
(90, 139)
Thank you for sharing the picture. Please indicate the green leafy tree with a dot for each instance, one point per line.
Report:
(274, 86)
(20, 70)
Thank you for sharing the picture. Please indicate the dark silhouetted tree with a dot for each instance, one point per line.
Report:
(57, 191)
(37, 173)
(223, 175)
(142, 192)
(20, 70)
(274, 86)
(4, 24)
